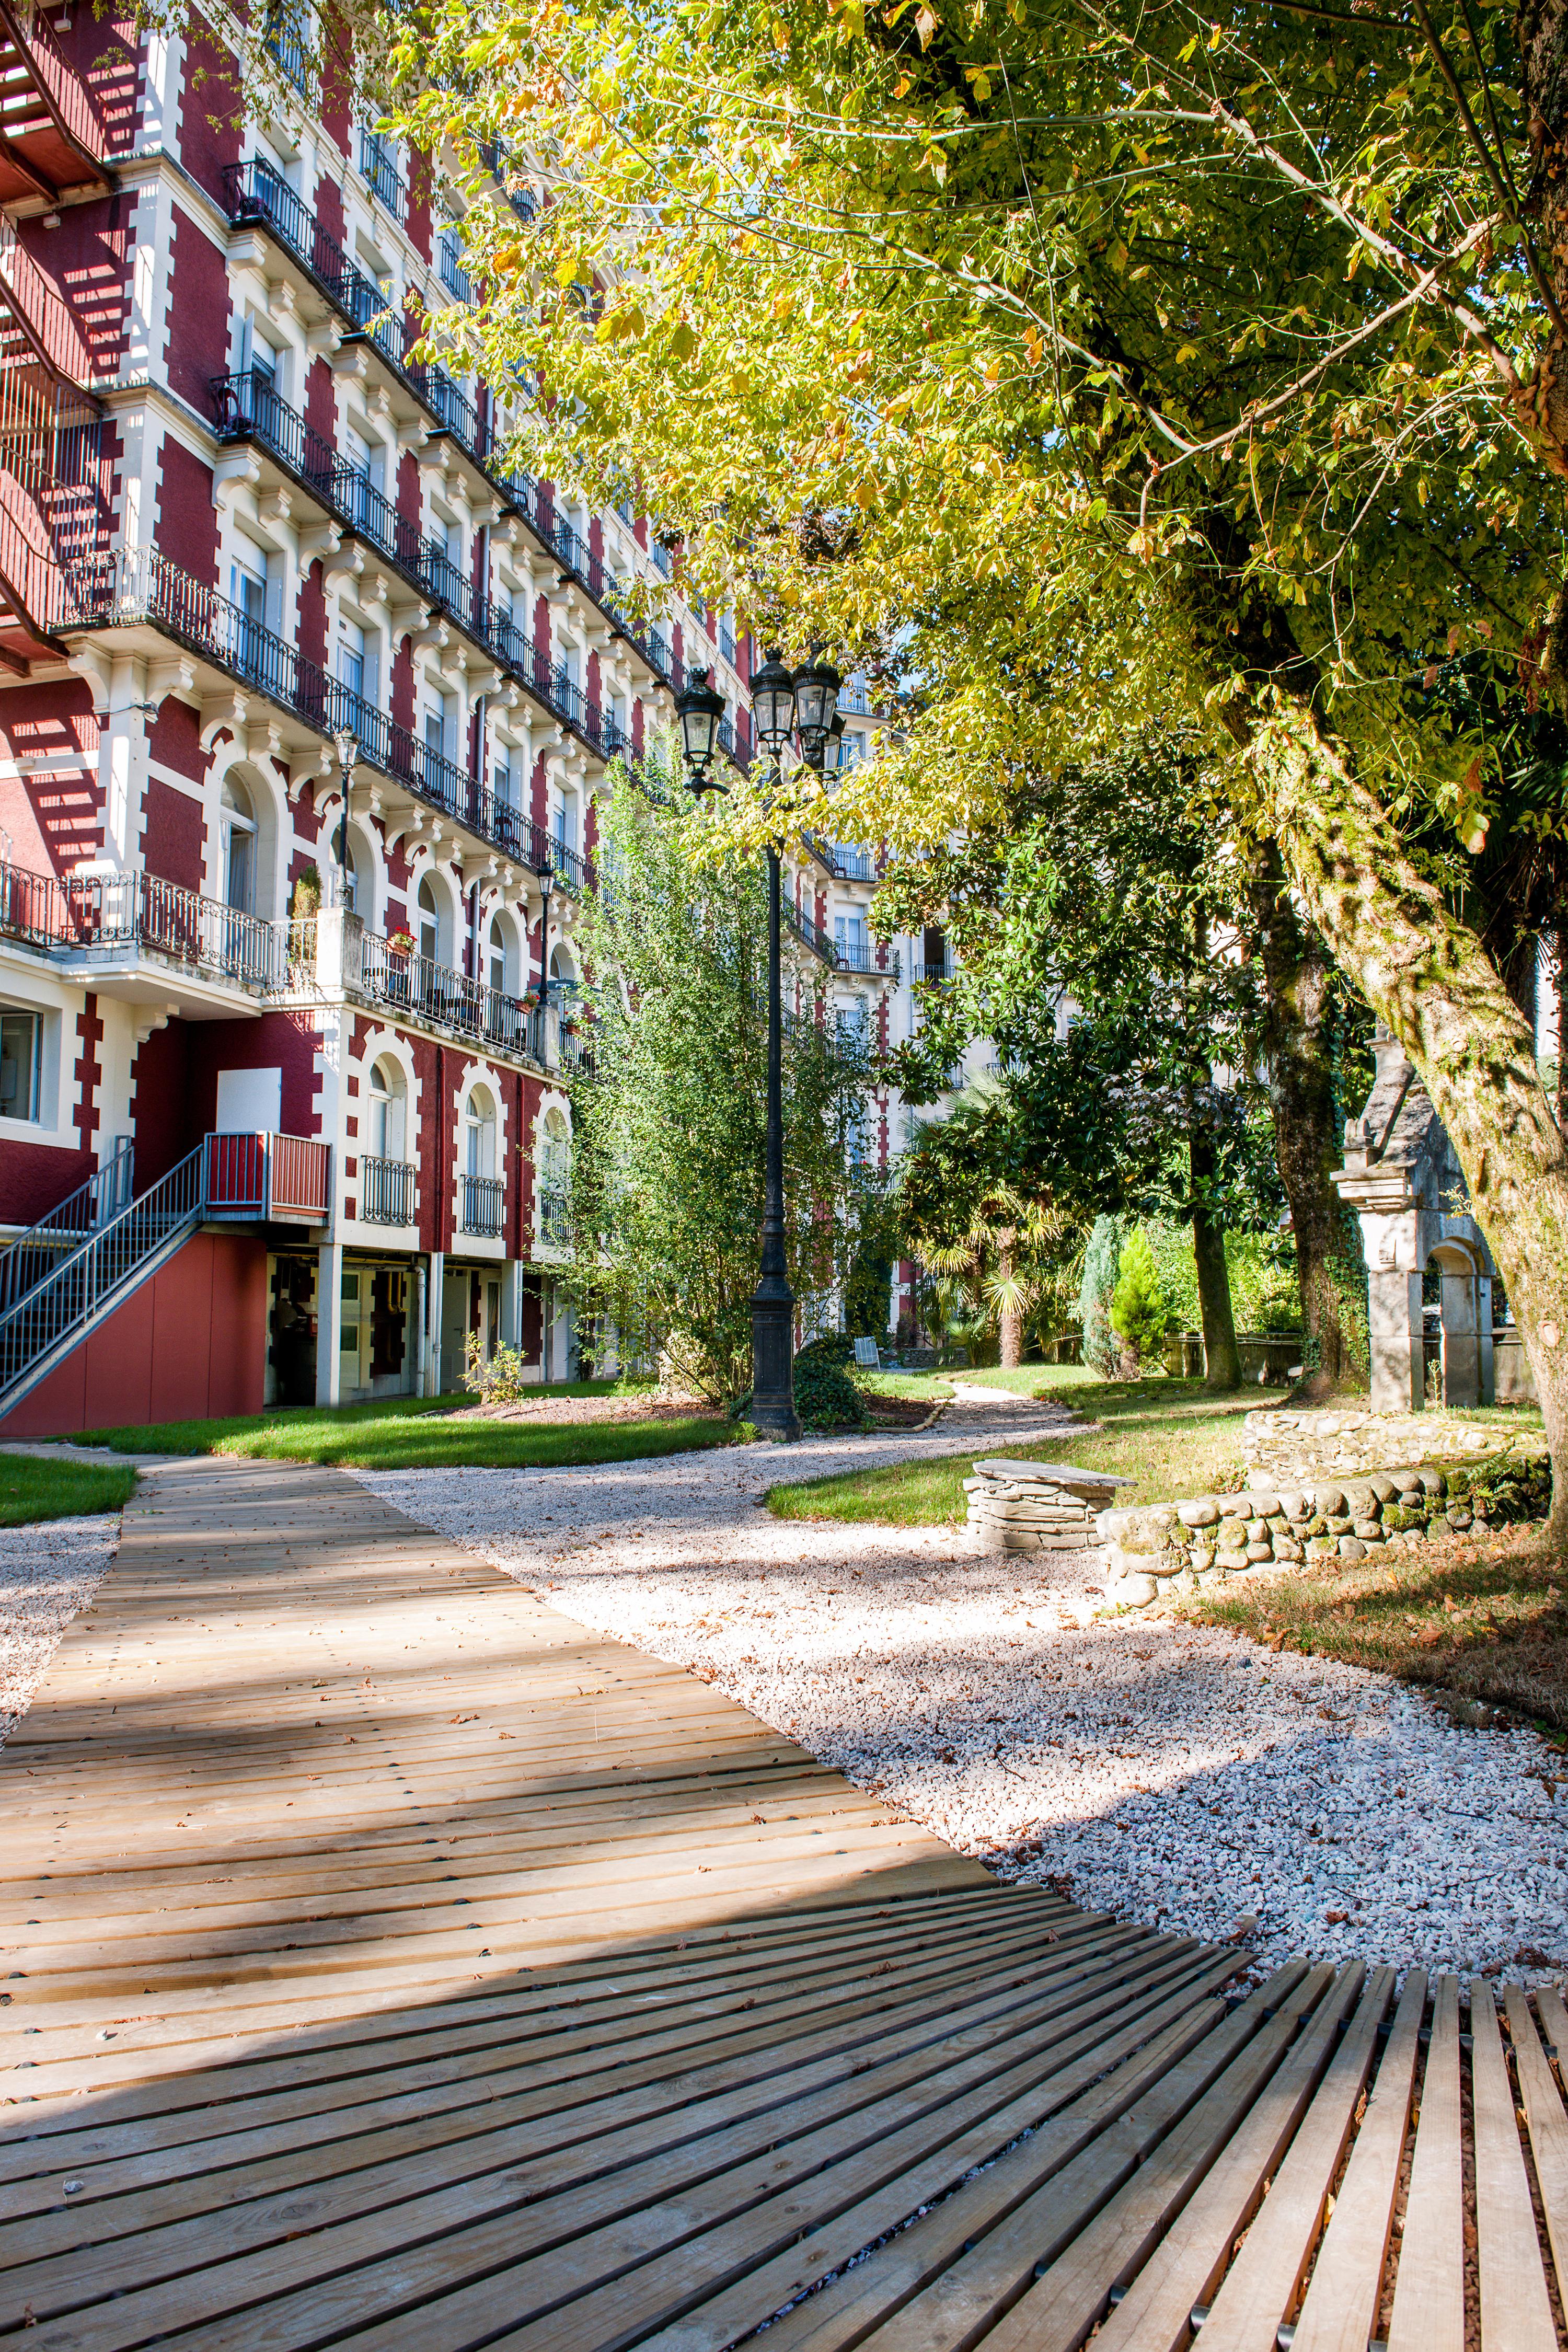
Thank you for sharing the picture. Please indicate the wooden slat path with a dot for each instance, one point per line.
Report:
(574, 2008)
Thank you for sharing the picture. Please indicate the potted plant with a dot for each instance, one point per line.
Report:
(402, 942)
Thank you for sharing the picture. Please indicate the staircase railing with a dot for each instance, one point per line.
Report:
(66, 1300)
(116, 1237)
(35, 1252)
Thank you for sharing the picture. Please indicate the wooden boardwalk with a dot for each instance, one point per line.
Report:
(575, 2009)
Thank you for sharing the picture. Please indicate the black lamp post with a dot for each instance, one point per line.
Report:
(780, 703)
(546, 885)
(347, 743)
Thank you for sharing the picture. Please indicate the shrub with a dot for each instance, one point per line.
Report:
(825, 1395)
(827, 1348)
(1095, 1294)
(494, 1380)
(1140, 1305)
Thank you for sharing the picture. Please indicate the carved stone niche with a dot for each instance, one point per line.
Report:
(1402, 1178)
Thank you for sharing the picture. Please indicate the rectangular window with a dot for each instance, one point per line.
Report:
(21, 1064)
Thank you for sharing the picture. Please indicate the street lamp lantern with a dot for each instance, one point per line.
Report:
(772, 704)
(817, 683)
(831, 761)
(700, 707)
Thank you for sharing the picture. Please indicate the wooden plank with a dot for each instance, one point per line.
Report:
(929, 2288)
(1516, 2310)
(1260, 2289)
(1173, 2253)
(1429, 2284)
(1340, 2307)
(1544, 2119)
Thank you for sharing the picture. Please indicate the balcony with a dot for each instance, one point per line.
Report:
(571, 866)
(850, 865)
(136, 587)
(257, 196)
(432, 992)
(52, 139)
(483, 1206)
(281, 1178)
(931, 975)
(375, 162)
(281, 41)
(727, 644)
(453, 277)
(135, 937)
(809, 932)
(862, 956)
(387, 1190)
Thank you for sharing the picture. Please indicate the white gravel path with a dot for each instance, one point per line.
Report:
(47, 1573)
(1174, 1775)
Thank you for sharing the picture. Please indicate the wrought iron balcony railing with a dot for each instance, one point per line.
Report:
(255, 192)
(851, 864)
(453, 277)
(280, 39)
(727, 644)
(126, 587)
(864, 956)
(376, 163)
(809, 932)
(387, 1190)
(483, 1205)
(931, 975)
(131, 913)
(418, 985)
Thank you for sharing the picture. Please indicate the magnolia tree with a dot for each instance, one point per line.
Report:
(668, 1123)
(1067, 362)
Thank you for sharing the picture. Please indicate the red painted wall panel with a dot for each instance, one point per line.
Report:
(172, 834)
(198, 347)
(174, 740)
(191, 1341)
(186, 527)
(211, 111)
(34, 1177)
(55, 815)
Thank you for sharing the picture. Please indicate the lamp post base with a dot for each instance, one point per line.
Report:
(772, 1362)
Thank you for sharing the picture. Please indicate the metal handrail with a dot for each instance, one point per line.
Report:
(380, 172)
(385, 1191)
(83, 1282)
(36, 1253)
(484, 1206)
(140, 910)
(418, 985)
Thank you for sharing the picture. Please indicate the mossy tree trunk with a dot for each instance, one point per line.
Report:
(1427, 976)
(1297, 974)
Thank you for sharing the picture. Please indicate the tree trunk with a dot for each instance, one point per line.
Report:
(1297, 1040)
(1010, 1315)
(1222, 1364)
(1429, 978)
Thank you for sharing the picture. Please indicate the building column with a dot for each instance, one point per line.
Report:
(511, 1304)
(1461, 1355)
(421, 1344)
(1396, 1341)
(433, 1291)
(329, 1323)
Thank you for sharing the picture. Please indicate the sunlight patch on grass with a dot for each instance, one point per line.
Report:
(32, 1488)
(422, 1433)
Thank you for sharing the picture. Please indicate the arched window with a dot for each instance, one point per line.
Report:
(429, 921)
(388, 1098)
(238, 820)
(555, 1152)
(481, 1133)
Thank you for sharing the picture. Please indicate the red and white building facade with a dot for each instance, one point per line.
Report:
(284, 1110)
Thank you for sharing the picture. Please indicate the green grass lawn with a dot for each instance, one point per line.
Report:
(1169, 1437)
(419, 1433)
(931, 1388)
(32, 1488)
(1481, 1614)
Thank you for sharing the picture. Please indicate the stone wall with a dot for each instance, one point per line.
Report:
(1036, 1505)
(1157, 1550)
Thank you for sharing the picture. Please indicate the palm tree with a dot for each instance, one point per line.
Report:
(996, 1267)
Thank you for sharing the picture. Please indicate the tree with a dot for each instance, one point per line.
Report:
(668, 1127)
(1084, 361)
(1140, 1305)
(996, 1247)
(1109, 895)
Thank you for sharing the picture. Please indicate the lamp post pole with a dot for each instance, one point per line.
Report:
(780, 703)
(348, 753)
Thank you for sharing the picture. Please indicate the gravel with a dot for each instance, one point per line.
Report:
(1172, 1774)
(47, 1573)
